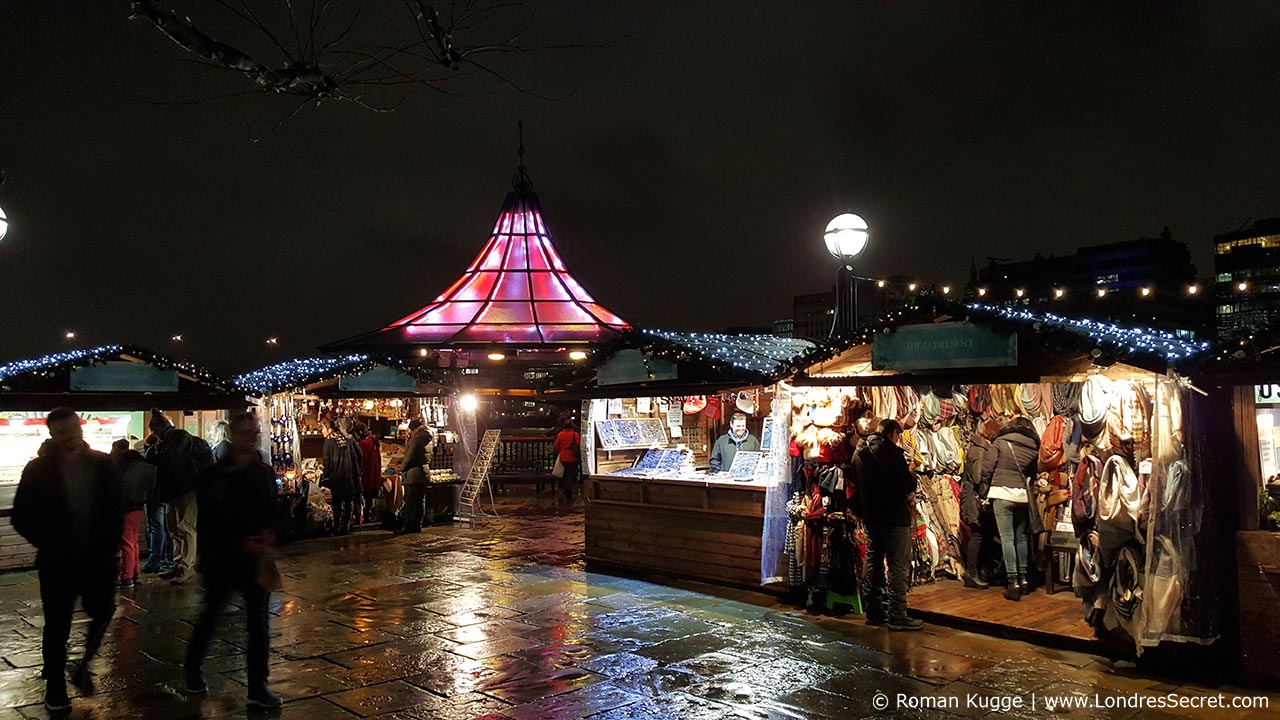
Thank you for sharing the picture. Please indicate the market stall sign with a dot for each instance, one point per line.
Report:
(379, 379)
(122, 376)
(1266, 394)
(943, 346)
(633, 366)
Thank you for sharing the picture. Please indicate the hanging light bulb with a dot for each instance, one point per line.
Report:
(1146, 292)
(1243, 286)
(982, 292)
(1059, 292)
(880, 283)
(1102, 292)
(1019, 292)
(912, 287)
(946, 289)
(1193, 289)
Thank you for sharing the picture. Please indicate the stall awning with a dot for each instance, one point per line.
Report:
(517, 291)
(110, 377)
(1044, 345)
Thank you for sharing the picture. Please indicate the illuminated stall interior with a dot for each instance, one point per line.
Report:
(652, 416)
(1124, 422)
(112, 387)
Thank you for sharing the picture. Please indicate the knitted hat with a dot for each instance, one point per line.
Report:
(158, 421)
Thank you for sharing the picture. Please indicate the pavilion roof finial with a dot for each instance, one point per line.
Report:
(521, 182)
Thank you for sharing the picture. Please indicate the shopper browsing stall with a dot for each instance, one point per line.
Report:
(1010, 465)
(417, 460)
(728, 445)
(887, 487)
(342, 462)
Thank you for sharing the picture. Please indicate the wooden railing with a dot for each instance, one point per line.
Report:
(524, 457)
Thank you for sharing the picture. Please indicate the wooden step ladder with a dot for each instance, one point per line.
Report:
(479, 476)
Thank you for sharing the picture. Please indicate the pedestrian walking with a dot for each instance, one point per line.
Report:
(68, 506)
(341, 460)
(414, 475)
(137, 483)
(568, 448)
(371, 468)
(887, 487)
(179, 458)
(236, 499)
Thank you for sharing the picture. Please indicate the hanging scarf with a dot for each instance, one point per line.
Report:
(1066, 399)
(1120, 497)
(930, 409)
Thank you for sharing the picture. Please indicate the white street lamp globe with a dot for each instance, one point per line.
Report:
(4, 224)
(846, 236)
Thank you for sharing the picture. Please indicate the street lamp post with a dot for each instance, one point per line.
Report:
(846, 237)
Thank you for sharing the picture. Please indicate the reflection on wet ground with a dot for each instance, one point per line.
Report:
(503, 621)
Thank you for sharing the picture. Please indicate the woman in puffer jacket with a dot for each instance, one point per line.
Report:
(974, 511)
(1012, 459)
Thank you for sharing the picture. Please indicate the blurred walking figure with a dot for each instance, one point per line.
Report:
(137, 484)
(414, 473)
(179, 458)
(567, 447)
(68, 506)
(341, 459)
(236, 499)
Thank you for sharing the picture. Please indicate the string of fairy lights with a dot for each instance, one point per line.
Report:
(1053, 292)
(301, 372)
(763, 355)
(47, 366)
(1132, 340)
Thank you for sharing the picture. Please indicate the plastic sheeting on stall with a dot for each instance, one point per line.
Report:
(1179, 594)
(775, 497)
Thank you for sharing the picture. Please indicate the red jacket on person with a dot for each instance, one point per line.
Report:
(372, 459)
(567, 445)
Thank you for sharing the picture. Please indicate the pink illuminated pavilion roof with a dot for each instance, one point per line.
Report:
(516, 291)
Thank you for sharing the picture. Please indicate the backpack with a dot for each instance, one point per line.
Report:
(179, 459)
(1052, 452)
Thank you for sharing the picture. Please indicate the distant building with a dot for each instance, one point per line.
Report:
(784, 328)
(813, 315)
(1145, 281)
(1250, 256)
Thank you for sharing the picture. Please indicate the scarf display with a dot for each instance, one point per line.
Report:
(1066, 398)
(1120, 497)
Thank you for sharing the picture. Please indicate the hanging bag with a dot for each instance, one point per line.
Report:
(557, 470)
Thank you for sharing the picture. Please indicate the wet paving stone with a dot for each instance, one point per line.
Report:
(488, 630)
(577, 704)
(481, 615)
(379, 699)
(531, 687)
(619, 664)
(658, 682)
(677, 706)
(489, 648)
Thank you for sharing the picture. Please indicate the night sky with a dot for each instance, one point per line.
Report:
(686, 171)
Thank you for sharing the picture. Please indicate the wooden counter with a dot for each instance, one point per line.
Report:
(700, 529)
(1258, 560)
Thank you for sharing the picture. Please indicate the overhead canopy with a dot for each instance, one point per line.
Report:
(1042, 345)
(516, 292)
(113, 377)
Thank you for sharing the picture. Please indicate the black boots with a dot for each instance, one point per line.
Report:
(1014, 591)
(1023, 585)
(973, 582)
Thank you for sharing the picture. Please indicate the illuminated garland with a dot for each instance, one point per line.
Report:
(1130, 340)
(301, 372)
(56, 363)
(763, 357)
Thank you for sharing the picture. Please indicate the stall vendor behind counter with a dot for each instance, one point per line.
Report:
(728, 445)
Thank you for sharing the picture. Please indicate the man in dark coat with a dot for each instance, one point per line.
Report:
(68, 506)
(414, 475)
(179, 458)
(342, 472)
(887, 487)
(236, 498)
